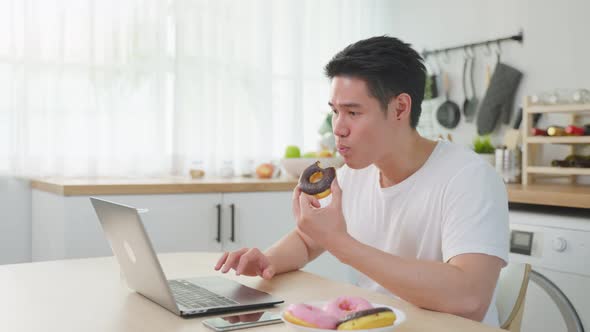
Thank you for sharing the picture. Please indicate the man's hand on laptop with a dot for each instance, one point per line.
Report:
(246, 261)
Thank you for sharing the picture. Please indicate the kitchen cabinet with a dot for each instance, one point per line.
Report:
(255, 219)
(15, 220)
(66, 227)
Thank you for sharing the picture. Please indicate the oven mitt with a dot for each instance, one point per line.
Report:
(499, 98)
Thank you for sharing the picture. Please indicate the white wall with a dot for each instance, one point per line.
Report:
(555, 52)
(15, 220)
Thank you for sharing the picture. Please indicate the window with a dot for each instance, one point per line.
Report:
(141, 88)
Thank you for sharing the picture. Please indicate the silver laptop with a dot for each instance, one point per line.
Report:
(131, 245)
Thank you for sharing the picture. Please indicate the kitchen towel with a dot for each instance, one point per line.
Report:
(499, 98)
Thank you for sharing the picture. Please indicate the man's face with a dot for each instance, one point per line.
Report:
(363, 132)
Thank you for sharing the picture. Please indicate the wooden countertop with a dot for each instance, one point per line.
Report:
(566, 195)
(89, 295)
(164, 185)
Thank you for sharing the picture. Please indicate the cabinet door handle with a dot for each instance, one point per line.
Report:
(233, 223)
(218, 238)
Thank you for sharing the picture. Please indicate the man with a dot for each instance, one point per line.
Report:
(424, 220)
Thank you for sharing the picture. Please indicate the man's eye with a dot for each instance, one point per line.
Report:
(334, 111)
(353, 113)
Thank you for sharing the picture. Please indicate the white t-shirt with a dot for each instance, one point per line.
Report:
(454, 204)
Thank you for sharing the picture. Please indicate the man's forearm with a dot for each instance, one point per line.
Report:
(427, 284)
(291, 253)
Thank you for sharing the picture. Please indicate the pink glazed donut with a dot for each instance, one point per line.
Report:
(345, 305)
(310, 316)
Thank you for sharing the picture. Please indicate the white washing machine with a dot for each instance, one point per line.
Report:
(556, 242)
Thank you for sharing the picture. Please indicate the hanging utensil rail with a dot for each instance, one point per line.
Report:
(519, 38)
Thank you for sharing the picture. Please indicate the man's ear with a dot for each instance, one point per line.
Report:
(401, 106)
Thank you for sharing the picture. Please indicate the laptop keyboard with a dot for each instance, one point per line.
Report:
(193, 296)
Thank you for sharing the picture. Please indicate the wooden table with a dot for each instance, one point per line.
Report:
(89, 295)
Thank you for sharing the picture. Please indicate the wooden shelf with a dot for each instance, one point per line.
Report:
(558, 140)
(566, 108)
(558, 170)
(568, 195)
(533, 145)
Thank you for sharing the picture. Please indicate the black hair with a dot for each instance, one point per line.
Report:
(388, 65)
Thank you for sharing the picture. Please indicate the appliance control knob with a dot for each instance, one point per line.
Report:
(559, 244)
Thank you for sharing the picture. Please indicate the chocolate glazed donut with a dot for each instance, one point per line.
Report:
(316, 180)
(368, 319)
(363, 313)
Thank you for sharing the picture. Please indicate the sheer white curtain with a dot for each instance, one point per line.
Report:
(140, 88)
(82, 88)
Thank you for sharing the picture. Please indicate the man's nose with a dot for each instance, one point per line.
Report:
(339, 127)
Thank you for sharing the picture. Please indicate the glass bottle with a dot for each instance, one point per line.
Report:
(538, 132)
(227, 169)
(577, 130)
(196, 169)
(556, 131)
(561, 163)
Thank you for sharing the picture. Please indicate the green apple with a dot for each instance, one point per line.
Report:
(310, 155)
(292, 151)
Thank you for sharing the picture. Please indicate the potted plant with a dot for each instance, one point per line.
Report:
(482, 145)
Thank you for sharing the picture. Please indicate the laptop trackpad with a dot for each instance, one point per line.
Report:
(231, 289)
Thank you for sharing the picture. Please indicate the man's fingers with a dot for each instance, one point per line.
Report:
(315, 202)
(232, 260)
(304, 204)
(221, 261)
(295, 201)
(336, 193)
(268, 273)
(252, 263)
(307, 203)
(245, 260)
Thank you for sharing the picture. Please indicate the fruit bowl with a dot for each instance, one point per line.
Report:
(295, 166)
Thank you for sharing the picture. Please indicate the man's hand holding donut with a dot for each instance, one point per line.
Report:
(326, 226)
(317, 229)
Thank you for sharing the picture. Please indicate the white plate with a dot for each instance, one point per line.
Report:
(400, 318)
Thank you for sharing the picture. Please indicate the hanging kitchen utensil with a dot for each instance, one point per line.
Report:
(507, 109)
(498, 97)
(431, 88)
(473, 101)
(488, 73)
(463, 81)
(448, 113)
(512, 135)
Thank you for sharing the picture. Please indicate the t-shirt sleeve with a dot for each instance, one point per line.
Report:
(475, 214)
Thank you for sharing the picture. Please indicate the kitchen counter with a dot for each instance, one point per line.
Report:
(164, 185)
(566, 195)
(576, 196)
(90, 295)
